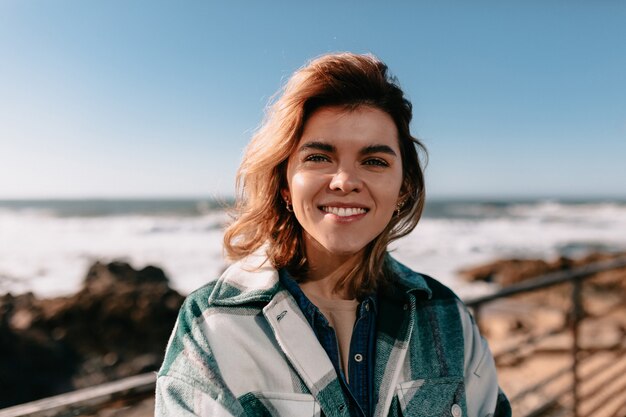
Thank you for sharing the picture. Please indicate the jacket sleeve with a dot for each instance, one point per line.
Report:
(484, 398)
(189, 382)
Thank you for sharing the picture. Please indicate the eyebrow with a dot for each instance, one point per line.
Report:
(320, 146)
(368, 150)
(378, 149)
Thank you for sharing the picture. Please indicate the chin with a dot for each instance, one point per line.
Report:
(342, 250)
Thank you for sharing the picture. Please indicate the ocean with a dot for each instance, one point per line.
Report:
(46, 246)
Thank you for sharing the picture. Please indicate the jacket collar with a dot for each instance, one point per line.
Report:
(254, 279)
(408, 280)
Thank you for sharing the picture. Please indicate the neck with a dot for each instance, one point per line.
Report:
(325, 270)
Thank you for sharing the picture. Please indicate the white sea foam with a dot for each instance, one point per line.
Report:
(441, 247)
(49, 255)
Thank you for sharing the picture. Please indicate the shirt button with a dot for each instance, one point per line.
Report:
(406, 307)
(367, 306)
(456, 410)
(358, 357)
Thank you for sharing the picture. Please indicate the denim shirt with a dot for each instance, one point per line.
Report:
(362, 346)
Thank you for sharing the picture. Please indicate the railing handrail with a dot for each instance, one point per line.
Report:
(549, 280)
(93, 397)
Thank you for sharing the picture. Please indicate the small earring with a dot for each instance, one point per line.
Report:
(288, 206)
(399, 207)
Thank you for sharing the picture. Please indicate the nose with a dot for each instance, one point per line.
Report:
(347, 181)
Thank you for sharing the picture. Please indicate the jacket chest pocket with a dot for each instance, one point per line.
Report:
(278, 404)
(432, 397)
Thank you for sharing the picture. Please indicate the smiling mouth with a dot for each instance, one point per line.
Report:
(344, 211)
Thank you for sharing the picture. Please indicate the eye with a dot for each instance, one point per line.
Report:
(316, 158)
(376, 162)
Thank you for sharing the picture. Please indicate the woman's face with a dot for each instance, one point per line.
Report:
(344, 179)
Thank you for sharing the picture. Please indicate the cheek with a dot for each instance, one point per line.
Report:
(389, 191)
(303, 188)
(299, 182)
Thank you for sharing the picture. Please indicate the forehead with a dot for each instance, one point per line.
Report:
(363, 126)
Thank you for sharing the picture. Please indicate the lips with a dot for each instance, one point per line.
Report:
(344, 211)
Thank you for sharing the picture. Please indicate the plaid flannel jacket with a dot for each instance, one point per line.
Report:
(242, 347)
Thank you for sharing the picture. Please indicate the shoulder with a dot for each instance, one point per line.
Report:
(248, 281)
(222, 306)
(198, 301)
(242, 289)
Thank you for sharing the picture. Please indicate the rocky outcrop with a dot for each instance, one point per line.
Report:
(117, 325)
(511, 271)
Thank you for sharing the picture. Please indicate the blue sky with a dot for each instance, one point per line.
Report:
(158, 99)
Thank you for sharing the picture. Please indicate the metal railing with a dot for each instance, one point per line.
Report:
(88, 401)
(593, 382)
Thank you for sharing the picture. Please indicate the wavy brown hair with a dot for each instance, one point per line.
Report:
(260, 216)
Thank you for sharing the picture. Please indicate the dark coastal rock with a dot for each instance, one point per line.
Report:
(32, 363)
(506, 272)
(511, 271)
(117, 325)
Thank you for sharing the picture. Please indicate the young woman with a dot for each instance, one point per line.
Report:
(314, 317)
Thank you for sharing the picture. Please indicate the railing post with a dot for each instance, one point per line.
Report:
(577, 316)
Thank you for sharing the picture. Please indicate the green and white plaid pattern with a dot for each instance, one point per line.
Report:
(242, 347)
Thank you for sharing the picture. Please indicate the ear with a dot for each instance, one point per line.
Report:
(285, 194)
(402, 197)
(405, 193)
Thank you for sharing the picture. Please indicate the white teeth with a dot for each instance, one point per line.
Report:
(344, 211)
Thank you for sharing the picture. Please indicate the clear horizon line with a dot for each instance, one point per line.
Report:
(214, 197)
